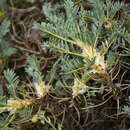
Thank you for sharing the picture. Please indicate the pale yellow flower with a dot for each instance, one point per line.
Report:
(89, 52)
(41, 89)
(100, 61)
(99, 65)
(78, 88)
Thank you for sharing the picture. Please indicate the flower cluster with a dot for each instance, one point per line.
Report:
(91, 53)
(78, 88)
(41, 89)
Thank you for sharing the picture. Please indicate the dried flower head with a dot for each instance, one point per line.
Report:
(13, 105)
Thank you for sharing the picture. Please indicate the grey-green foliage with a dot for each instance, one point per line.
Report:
(50, 77)
(70, 65)
(113, 7)
(112, 58)
(127, 22)
(3, 119)
(66, 26)
(6, 49)
(98, 10)
(126, 110)
(3, 5)
(105, 8)
(12, 87)
(25, 113)
(34, 68)
(67, 31)
(13, 81)
(2, 97)
(4, 28)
